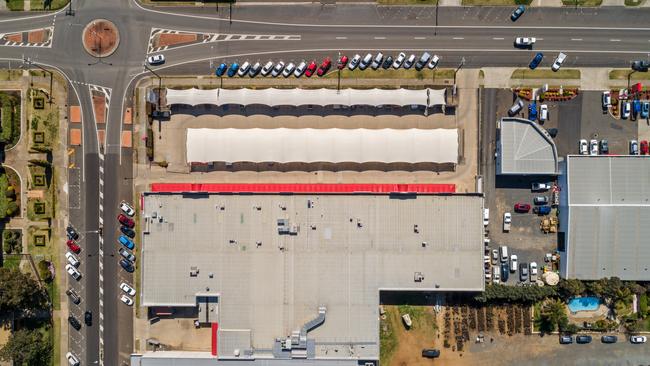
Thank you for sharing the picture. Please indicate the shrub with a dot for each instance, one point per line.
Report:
(643, 305)
(44, 270)
(12, 208)
(7, 247)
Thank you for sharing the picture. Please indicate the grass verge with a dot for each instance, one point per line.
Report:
(393, 74)
(546, 74)
(55, 333)
(407, 2)
(15, 4)
(582, 2)
(634, 2)
(53, 4)
(10, 104)
(496, 2)
(10, 261)
(622, 75)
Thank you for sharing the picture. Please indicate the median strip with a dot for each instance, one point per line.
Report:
(545, 74)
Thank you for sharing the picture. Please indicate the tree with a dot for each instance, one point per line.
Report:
(19, 292)
(12, 208)
(44, 270)
(570, 288)
(27, 347)
(553, 316)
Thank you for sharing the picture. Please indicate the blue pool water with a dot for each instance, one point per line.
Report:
(583, 304)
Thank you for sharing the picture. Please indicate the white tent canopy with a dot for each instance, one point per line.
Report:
(297, 97)
(307, 145)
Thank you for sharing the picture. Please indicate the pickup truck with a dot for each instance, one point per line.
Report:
(507, 220)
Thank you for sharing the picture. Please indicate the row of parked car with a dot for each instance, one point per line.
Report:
(309, 69)
(594, 147)
(127, 262)
(503, 265)
(533, 113)
(634, 108)
(585, 339)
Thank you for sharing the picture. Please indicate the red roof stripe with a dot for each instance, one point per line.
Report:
(302, 188)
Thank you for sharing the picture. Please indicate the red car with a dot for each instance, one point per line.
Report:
(73, 246)
(522, 207)
(327, 63)
(342, 62)
(644, 147)
(310, 69)
(125, 221)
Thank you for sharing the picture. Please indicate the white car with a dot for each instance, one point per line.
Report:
(354, 62)
(127, 209)
(127, 289)
(127, 300)
(365, 61)
(288, 70)
(156, 59)
(525, 41)
(72, 272)
(72, 259)
(543, 112)
(399, 60)
(300, 69)
(558, 61)
(533, 271)
(541, 187)
(638, 339)
(409, 62)
(267, 68)
(72, 359)
(496, 276)
(593, 147)
(607, 99)
(634, 147)
(243, 69)
(513, 263)
(625, 114)
(277, 69)
(584, 147)
(434, 62)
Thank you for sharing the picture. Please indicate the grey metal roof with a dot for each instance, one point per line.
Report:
(609, 216)
(344, 249)
(174, 358)
(525, 148)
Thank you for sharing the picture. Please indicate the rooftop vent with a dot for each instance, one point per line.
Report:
(194, 271)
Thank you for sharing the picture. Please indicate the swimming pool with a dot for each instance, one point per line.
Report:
(589, 303)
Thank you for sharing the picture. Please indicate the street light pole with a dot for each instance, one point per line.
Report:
(435, 30)
(338, 66)
(159, 97)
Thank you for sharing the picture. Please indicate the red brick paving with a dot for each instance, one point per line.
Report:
(128, 118)
(75, 136)
(126, 139)
(75, 114)
(101, 135)
(173, 39)
(101, 37)
(38, 36)
(14, 37)
(99, 104)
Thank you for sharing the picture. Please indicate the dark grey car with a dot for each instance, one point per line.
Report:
(523, 272)
(609, 339)
(583, 339)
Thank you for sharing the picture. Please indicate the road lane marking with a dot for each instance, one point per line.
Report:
(380, 37)
(576, 39)
(459, 38)
(419, 37)
(614, 40)
(341, 37)
(498, 38)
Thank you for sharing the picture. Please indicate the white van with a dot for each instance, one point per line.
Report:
(486, 216)
(504, 254)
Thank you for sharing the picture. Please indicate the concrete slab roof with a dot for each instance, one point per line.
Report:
(609, 211)
(525, 148)
(338, 251)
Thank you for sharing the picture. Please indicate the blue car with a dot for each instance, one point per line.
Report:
(519, 11)
(126, 242)
(221, 70)
(233, 69)
(536, 61)
(636, 107)
(645, 110)
(532, 111)
(505, 272)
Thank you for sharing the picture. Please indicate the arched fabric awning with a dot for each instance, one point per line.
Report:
(334, 145)
(298, 97)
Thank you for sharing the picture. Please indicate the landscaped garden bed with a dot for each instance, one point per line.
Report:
(10, 112)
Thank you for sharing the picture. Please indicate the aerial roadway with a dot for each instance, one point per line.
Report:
(482, 36)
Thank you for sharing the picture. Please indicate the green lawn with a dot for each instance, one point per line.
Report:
(40, 4)
(634, 2)
(56, 341)
(496, 2)
(4, 202)
(622, 75)
(10, 102)
(393, 74)
(407, 2)
(546, 74)
(11, 261)
(387, 339)
(15, 4)
(582, 2)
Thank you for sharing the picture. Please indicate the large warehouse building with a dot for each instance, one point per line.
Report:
(524, 148)
(604, 216)
(297, 276)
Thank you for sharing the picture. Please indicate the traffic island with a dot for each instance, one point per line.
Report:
(100, 38)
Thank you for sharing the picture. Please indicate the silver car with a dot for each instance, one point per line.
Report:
(409, 62)
(354, 62)
(288, 70)
(277, 69)
(267, 68)
(300, 69)
(399, 60)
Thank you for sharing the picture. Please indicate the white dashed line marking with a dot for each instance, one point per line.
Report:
(380, 37)
(576, 39)
(341, 37)
(419, 37)
(458, 38)
(498, 38)
(614, 40)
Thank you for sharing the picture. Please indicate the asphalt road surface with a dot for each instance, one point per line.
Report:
(483, 36)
